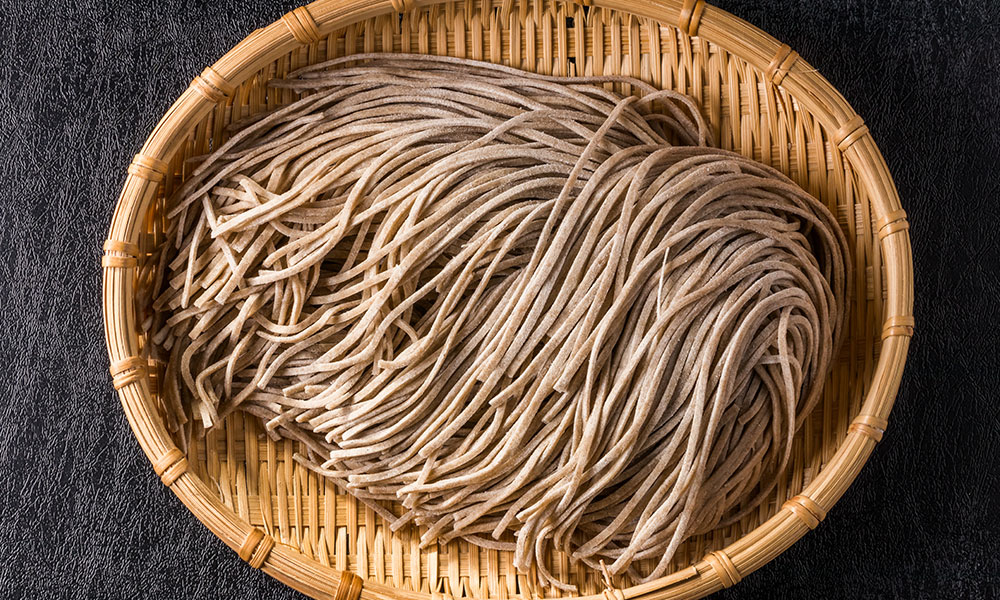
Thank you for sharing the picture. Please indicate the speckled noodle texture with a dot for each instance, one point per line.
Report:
(83, 516)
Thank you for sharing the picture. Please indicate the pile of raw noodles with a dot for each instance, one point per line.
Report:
(513, 303)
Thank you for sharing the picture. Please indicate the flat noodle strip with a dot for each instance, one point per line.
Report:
(509, 302)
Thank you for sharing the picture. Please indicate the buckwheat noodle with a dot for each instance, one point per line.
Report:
(510, 302)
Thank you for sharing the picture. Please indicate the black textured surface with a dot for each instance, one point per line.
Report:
(83, 82)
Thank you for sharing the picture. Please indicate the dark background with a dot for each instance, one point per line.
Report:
(82, 82)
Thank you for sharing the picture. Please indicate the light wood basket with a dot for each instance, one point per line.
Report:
(762, 100)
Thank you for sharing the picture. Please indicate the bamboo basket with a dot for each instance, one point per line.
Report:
(762, 100)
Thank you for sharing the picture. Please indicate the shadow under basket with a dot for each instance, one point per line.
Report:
(762, 101)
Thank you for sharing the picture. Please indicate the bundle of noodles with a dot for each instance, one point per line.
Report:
(510, 302)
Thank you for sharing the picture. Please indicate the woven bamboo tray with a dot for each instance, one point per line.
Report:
(763, 101)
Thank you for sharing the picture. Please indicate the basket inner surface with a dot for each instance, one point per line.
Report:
(257, 477)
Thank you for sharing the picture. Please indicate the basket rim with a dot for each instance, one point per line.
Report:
(721, 568)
